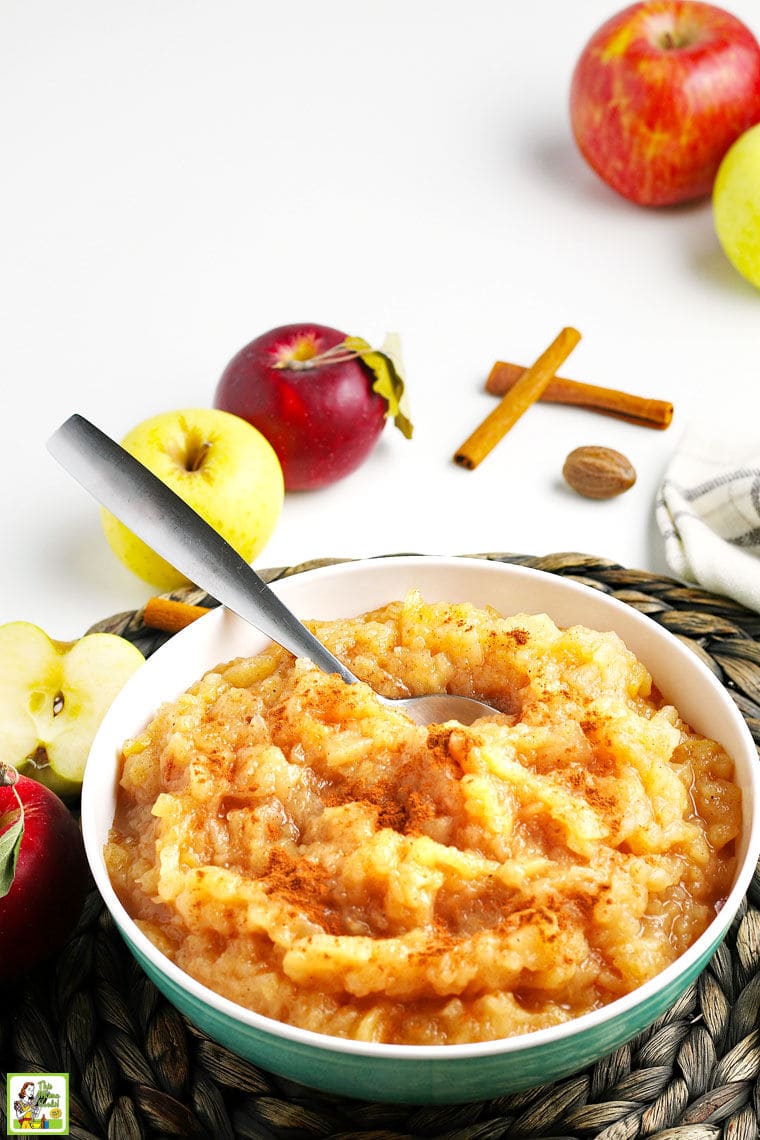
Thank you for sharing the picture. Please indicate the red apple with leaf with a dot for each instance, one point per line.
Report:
(659, 94)
(43, 873)
(319, 396)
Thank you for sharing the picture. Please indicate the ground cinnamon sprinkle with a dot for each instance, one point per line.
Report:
(438, 738)
(519, 636)
(392, 812)
(307, 886)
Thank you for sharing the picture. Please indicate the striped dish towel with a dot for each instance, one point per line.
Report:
(708, 512)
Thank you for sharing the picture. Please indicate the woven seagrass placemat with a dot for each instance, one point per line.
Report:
(138, 1069)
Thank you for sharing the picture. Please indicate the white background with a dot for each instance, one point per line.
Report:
(180, 176)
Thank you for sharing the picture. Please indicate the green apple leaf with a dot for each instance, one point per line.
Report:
(385, 362)
(10, 845)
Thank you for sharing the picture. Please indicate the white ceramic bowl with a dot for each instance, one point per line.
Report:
(405, 1073)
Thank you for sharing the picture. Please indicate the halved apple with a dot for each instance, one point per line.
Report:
(53, 696)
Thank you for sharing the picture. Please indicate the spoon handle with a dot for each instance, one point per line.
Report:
(175, 531)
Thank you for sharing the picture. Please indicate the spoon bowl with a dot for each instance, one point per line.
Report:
(178, 533)
(437, 708)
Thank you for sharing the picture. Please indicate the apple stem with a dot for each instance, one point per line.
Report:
(673, 41)
(197, 459)
(338, 354)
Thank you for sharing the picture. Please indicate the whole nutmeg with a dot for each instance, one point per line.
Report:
(598, 472)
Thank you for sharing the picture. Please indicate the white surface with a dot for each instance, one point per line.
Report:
(179, 177)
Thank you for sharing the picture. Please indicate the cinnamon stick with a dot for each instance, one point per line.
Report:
(608, 401)
(170, 616)
(526, 391)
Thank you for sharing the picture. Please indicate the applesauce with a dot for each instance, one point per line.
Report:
(315, 856)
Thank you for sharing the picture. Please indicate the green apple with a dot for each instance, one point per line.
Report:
(736, 204)
(53, 696)
(222, 466)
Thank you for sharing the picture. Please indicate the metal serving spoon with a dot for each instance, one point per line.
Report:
(175, 531)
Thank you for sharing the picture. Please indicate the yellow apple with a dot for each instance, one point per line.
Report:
(53, 696)
(736, 204)
(222, 466)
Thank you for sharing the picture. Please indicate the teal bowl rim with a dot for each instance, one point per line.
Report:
(672, 980)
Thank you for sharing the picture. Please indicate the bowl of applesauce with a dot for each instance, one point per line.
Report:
(425, 914)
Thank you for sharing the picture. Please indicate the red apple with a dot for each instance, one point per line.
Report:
(658, 95)
(48, 889)
(321, 417)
